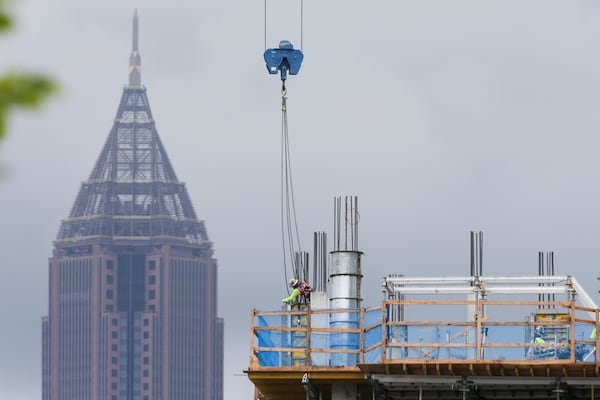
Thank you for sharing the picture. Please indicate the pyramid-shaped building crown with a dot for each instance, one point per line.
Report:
(133, 192)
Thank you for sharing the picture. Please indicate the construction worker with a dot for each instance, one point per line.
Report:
(300, 288)
(537, 353)
(539, 335)
(591, 352)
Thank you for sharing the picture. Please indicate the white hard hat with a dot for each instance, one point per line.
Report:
(293, 282)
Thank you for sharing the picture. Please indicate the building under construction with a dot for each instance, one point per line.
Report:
(476, 336)
(465, 337)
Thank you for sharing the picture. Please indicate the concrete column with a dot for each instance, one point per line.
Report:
(319, 300)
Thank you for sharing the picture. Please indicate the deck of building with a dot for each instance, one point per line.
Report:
(388, 353)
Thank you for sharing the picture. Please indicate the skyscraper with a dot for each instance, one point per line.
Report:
(133, 282)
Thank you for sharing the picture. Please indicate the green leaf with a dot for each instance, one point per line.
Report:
(5, 19)
(5, 22)
(24, 91)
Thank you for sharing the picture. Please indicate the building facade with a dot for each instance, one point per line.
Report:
(132, 278)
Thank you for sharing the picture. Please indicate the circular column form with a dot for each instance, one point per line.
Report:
(344, 294)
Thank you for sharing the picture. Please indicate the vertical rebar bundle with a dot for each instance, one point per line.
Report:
(476, 253)
(351, 218)
(319, 282)
(546, 268)
(300, 265)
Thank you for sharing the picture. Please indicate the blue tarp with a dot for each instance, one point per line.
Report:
(266, 358)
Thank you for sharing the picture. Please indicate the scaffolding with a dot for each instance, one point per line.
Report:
(423, 330)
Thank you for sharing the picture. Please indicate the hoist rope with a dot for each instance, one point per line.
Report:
(289, 223)
(301, 25)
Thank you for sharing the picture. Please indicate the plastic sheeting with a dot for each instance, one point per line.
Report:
(419, 342)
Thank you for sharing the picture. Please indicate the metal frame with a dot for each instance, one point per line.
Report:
(133, 193)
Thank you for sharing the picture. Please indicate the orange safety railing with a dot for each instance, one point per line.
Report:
(410, 330)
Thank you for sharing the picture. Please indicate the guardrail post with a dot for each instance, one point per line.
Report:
(308, 330)
(384, 331)
(252, 334)
(572, 334)
(361, 354)
(479, 336)
(597, 339)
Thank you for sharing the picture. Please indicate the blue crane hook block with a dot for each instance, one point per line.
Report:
(284, 59)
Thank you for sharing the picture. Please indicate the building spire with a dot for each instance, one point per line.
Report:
(135, 61)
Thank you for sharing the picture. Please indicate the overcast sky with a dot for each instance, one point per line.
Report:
(442, 116)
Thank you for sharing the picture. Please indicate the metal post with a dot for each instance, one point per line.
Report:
(472, 254)
(480, 272)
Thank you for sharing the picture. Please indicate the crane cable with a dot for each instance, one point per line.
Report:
(301, 25)
(289, 222)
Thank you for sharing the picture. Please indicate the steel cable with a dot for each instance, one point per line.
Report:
(289, 222)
